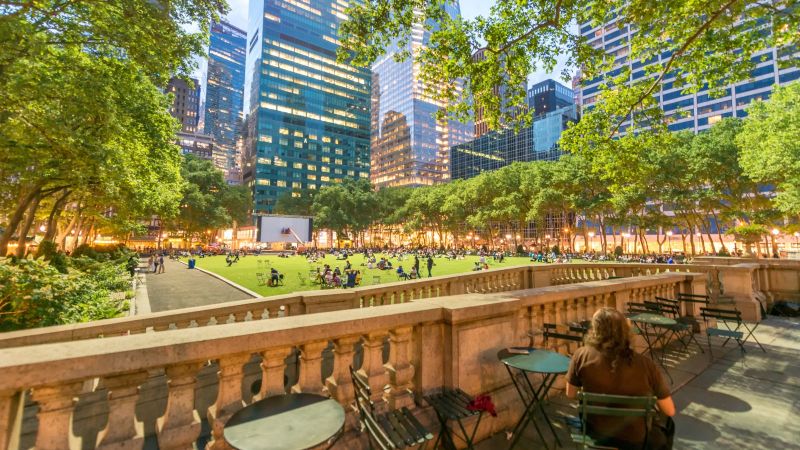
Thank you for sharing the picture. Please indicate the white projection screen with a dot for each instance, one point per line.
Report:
(275, 228)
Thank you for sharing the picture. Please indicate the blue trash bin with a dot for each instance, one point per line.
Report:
(191, 263)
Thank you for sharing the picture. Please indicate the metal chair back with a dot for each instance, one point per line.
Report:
(615, 406)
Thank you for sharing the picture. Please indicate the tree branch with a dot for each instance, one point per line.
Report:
(552, 23)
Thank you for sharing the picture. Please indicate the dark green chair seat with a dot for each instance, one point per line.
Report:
(609, 405)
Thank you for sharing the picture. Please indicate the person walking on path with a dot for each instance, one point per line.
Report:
(430, 265)
(161, 264)
(416, 263)
(151, 264)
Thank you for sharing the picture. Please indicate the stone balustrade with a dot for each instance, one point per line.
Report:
(159, 385)
(745, 284)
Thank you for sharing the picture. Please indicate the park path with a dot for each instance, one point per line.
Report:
(179, 287)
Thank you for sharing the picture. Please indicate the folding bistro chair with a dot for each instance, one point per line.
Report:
(724, 316)
(451, 405)
(566, 333)
(609, 405)
(684, 328)
(262, 280)
(396, 429)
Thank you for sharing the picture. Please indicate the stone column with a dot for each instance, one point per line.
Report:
(310, 379)
(179, 427)
(401, 372)
(273, 367)
(123, 431)
(229, 397)
(55, 411)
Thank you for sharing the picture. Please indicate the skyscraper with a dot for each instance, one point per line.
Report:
(308, 115)
(225, 92)
(408, 145)
(501, 91)
(549, 95)
(695, 112)
(497, 149)
(185, 103)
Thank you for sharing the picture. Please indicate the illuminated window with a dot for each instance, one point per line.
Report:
(326, 139)
(263, 138)
(284, 131)
(284, 141)
(338, 161)
(312, 177)
(325, 169)
(298, 134)
(298, 144)
(279, 162)
(264, 161)
(281, 183)
(312, 167)
(326, 159)
(312, 186)
(297, 165)
(297, 185)
(262, 182)
(325, 178)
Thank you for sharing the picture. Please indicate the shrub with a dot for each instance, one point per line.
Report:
(46, 250)
(556, 250)
(35, 294)
(618, 251)
(59, 262)
(84, 250)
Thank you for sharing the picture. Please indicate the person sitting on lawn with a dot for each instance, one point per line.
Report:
(413, 275)
(477, 267)
(401, 274)
(351, 279)
(607, 364)
(337, 272)
(347, 265)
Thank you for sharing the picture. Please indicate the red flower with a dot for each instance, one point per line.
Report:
(482, 403)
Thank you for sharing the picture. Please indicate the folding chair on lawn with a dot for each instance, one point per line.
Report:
(262, 280)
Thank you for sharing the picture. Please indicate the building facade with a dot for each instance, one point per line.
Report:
(308, 115)
(199, 145)
(186, 102)
(694, 111)
(225, 92)
(549, 95)
(497, 149)
(409, 146)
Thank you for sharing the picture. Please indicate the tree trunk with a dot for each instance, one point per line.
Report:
(62, 238)
(55, 214)
(22, 240)
(15, 219)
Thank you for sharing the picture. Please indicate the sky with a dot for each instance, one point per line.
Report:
(469, 9)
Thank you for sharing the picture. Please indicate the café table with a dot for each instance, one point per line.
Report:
(654, 327)
(520, 361)
(285, 422)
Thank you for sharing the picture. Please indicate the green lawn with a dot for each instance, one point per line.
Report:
(244, 271)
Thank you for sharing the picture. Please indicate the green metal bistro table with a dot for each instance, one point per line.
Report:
(649, 322)
(524, 360)
(285, 422)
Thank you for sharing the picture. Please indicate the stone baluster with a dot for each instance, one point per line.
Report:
(561, 312)
(229, 397)
(55, 411)
(239, 316)
(10, 408)
(123, 431)
(274, 311)
(310, 379)
(179, 427)
(572, 310)
(401, 372)
(273, 368)
(373, 365)
(340, 384)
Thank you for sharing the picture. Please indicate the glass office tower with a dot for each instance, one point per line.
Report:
(694, 112)
(308, 115)
(409, 146)
(225, 92)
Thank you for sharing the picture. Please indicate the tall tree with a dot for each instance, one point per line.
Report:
(770, 146)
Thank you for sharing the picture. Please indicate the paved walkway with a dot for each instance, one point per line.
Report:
(746, 402)
(179, 287)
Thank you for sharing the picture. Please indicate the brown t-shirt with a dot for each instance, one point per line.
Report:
(590, 370)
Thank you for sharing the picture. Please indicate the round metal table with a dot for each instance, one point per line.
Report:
(531, 360)
(285, 422)
(650, 324)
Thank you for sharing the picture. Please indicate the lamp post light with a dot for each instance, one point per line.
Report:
(775, 233)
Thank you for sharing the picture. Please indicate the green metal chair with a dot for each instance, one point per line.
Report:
(609, 405)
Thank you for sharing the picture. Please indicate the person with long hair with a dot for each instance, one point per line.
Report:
(607, 364)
